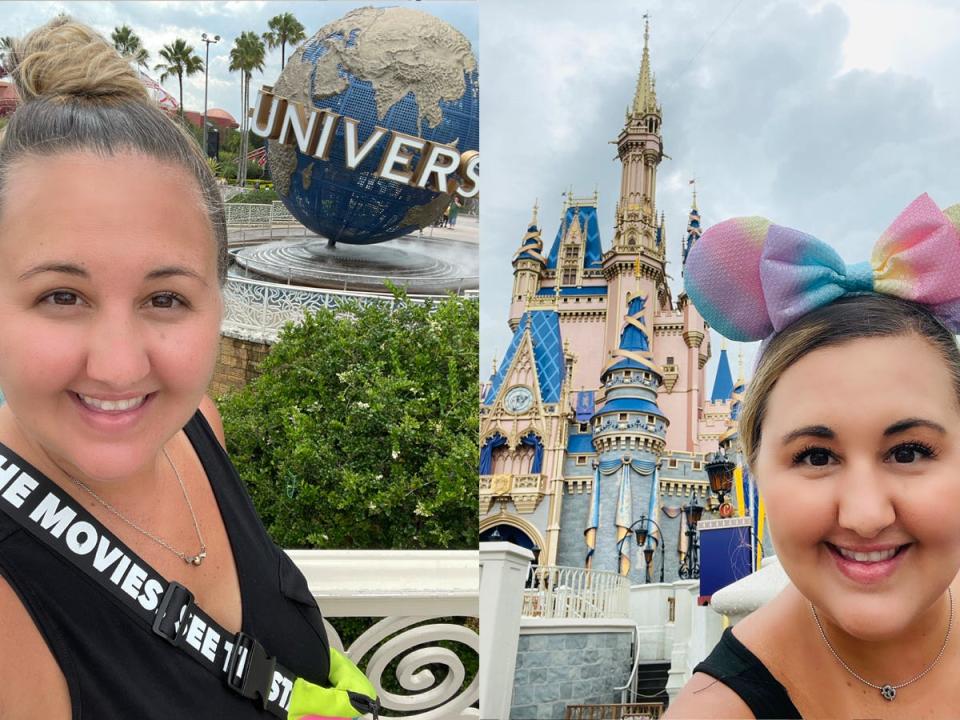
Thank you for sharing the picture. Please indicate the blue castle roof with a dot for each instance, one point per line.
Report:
(532, 245)
(631, 404)
(723, 383)
(586, 216)
(547, 354)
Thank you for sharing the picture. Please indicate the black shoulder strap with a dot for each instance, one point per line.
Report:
(54, 518)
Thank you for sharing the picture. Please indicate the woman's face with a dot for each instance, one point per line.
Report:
(858, 469)
(109, 307)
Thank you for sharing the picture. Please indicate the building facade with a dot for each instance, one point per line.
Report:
(598, 414)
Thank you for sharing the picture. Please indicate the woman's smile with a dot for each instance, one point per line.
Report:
(871, 566)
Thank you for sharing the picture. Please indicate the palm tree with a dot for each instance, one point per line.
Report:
(284, 28)
(128, 44)
(247, 55)
(179, 60)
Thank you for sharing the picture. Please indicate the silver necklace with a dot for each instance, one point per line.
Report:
(889, 692)
(189, 559)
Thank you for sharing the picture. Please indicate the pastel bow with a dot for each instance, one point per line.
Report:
(750, 278)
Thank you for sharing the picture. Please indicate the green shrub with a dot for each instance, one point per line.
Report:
(263, 196)
(361, 431)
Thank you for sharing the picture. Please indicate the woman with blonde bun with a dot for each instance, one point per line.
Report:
(136, 580)
(851, 429)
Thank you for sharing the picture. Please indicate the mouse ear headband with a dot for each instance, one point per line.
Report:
(749, 278)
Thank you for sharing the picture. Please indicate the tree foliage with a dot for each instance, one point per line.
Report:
(361, 431)
(284, 29)
(128, 44)
(179, 59)
(247, 55)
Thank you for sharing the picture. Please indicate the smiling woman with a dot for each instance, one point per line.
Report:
(120, 513)
(851, 427)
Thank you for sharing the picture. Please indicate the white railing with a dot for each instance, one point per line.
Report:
(576, 593)
(414, 593)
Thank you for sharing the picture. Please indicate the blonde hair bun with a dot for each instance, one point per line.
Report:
(66, 59)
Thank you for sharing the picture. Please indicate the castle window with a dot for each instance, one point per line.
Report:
(646, 376)
(627, 373)
(581, 459)
(650, 419)
(623, 417)
(696, 465)
(584, 427)
(570, 276)
(572, 251)
(672, 463)
(569, 368)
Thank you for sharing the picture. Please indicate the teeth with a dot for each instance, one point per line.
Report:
(877, 556)
(113, 405)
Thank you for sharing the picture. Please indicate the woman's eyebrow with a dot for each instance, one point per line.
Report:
(819, 431)
(174, 270)
(68, 268)
(908, 423)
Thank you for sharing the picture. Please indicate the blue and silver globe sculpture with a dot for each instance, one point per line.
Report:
(395, 68)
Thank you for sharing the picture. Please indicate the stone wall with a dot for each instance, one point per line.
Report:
(569, 668)
(237, 364)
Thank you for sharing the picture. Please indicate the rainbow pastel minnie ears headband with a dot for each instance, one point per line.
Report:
(750, 278)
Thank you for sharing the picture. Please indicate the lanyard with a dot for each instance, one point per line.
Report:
(54, 518)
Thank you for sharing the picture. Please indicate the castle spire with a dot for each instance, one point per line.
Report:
(645, 98)
(693, 225)
(536, 207)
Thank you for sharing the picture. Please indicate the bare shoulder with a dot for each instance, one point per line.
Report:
(212, 415)
(33, 685)
(707, 697)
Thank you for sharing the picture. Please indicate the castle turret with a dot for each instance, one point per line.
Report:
(723, 382)
(640, 148)
(693, 227)
(528, 263)
(629, 432)
(639, 242)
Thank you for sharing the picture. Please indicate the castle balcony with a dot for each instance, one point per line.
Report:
(526, 491)
(568, 593)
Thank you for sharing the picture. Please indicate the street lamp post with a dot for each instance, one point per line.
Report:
(690, 568)
(206, 77)
(641, 530)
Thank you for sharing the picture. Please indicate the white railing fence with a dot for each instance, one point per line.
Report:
(576, 593)
(414, 593)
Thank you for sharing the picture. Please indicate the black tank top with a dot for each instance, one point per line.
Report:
(740, 670)
(116, 667)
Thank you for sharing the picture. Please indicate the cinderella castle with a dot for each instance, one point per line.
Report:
(598, 415)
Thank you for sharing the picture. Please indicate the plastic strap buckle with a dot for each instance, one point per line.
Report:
(175, 599)
(255, 678)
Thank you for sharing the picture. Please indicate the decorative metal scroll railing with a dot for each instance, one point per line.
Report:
(568, 593)
(425, 605)
(258, 310)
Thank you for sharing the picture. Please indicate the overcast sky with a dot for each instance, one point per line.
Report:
(828, 117)
(159, 23)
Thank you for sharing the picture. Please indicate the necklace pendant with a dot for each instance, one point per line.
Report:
(196, 559)
(889, 693)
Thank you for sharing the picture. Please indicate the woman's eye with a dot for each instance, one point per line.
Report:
(166, 301)
(62, 297)
(911, 452)
(817, 457)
